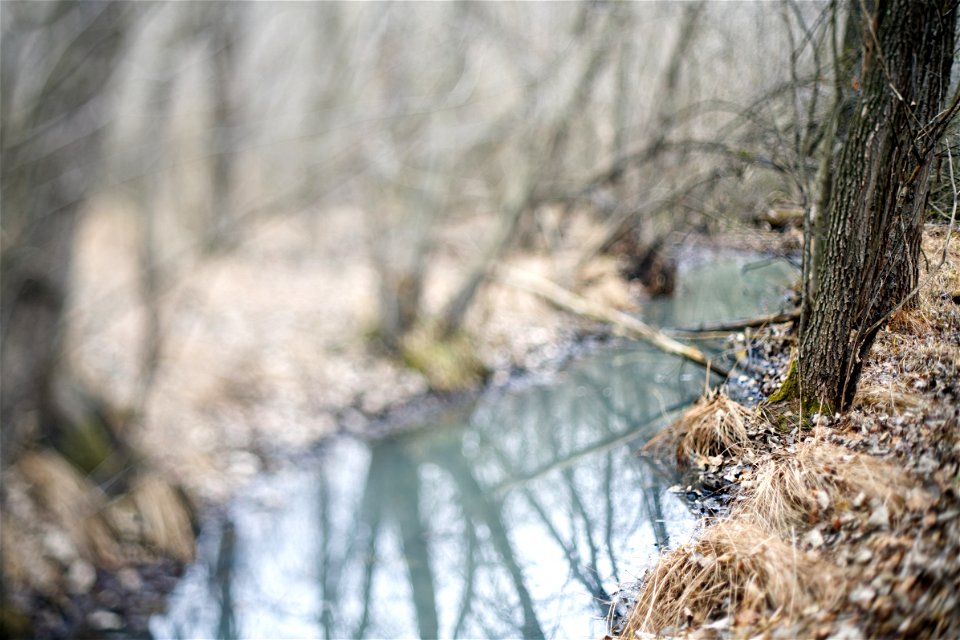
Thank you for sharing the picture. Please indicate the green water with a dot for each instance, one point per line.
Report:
(519, 518)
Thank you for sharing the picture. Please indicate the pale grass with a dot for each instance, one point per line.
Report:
(165, 517)
(906, 338)
(789, 493)
(73, 502)
(749, 566)
(79, 507)
(736, 569)
(714, 426)
(887, 395)
(911, 321)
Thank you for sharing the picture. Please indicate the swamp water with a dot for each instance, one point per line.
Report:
(519, 518)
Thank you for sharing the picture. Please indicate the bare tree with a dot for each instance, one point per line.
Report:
(52, 126)
(223, 26)
(878, 198)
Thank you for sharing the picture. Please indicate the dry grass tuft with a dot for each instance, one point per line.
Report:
(448, 363)
(75, 503)
(736, 569)
(790, 493)
(918, 345)
(714, 426)
(165, 517)
(889, 395)
(910, 321)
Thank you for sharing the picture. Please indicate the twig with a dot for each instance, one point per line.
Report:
(953, 212)
(737, 325)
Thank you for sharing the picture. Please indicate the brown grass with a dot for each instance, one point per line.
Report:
(73, 501)
(911, 321)
(820, 479)
(748, 566)
(889, 395)
(735, 569)
(165, 517)
(917, 341)
(714, 426)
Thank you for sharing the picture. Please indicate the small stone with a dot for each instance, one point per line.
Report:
(129, 579)
(125, 519)
(880, 517)
(845, 631)
(814, 538)
(863, 556)
(723, 624)
(862, 597)
(948, 515)
(927, 464)
(823, 500)
(103, 620)
(60, 547)
(80, 577)
(243, 463)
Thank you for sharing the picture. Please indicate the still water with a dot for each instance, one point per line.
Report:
(518, 518)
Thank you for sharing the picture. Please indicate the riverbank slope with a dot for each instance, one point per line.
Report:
(848, 528)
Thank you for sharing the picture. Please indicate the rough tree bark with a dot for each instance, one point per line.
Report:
(846, 63)
(879, 194)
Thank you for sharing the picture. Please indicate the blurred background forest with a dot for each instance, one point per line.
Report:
(208, 161)
(233, 227)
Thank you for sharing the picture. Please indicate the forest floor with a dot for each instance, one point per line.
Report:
(847, 527)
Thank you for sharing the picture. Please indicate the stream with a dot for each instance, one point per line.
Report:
(517, 518)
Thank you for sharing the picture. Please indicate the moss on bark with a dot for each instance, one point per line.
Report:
(787, 407)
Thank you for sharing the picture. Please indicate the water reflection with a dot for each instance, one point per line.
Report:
(518, 520)
(509, 523)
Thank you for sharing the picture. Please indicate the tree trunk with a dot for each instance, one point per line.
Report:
(224, 22)
(847, 67)
(878, 197)
(50, 141)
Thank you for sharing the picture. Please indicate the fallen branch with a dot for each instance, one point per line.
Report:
(737, 325)
(622, 323)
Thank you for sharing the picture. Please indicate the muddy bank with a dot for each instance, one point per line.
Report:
(845, 526)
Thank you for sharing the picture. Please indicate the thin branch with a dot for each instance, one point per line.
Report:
(737, 325)
(622, 323)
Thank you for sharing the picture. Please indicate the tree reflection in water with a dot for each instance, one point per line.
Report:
(517, 521)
